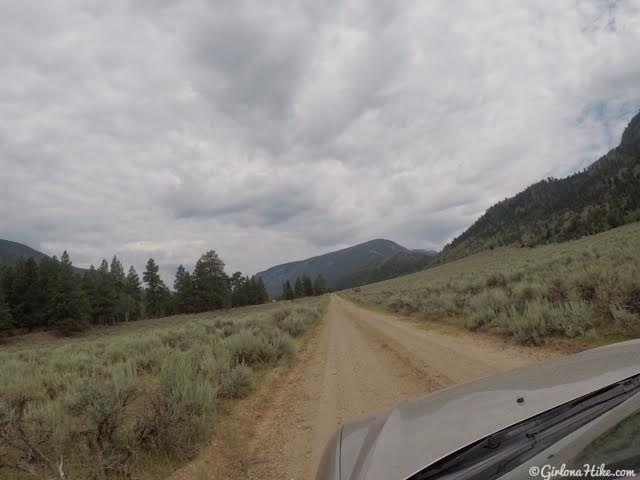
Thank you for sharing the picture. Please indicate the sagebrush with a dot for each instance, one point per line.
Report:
(103, 408)
(583, 288)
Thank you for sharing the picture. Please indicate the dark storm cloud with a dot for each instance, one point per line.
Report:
(279, 129)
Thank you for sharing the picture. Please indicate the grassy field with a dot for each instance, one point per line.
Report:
(134, 400)
(588, 288)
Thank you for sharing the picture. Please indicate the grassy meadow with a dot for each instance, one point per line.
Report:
(588, 288)
(133, 400)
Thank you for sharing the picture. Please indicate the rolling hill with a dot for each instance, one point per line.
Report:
(364, 263)
(603, 196)
(10, 252)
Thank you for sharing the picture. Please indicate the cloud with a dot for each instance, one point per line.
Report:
(271, 131)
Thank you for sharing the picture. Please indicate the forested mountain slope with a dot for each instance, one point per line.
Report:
(603, 196)
(370, 261)
(10, 252)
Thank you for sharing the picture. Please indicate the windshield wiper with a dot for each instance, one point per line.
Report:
(501, 452)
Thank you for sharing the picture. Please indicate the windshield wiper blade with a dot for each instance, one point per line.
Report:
(499, 453)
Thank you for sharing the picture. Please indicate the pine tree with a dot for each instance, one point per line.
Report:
(6, 319)
(307, 286)
(184, 290)
(104, 302)
(49, 271)
(210, 283)
(155, 293)
(89, 287)
(252, 290)
(261, 292)
(319, 285)
(24, 297)
(132, 301)
(117, 274)
(132, 285)
(239, 290)
(298, 289)
(69, 310)
(287, 291)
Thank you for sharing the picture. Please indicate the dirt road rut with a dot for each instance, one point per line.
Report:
(357, 362)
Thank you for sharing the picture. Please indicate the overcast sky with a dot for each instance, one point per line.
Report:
(274, 130)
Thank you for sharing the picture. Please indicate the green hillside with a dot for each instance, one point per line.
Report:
(582, 288)
(603, 196)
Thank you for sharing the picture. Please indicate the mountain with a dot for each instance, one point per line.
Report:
(10, 252)
(351, 266)
(603, 196)
(385, 268)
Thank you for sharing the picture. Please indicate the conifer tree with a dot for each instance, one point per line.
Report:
(287, 291)
(211, 288)
(298, 289)
(69, 310)
(319, 285)
(104, 303)
(184, 290)
(261, 292)
(155, 292)
(117, 274)
(6, 319)
(307, 286)
(239, 290)
(132, 285)
(24, 297)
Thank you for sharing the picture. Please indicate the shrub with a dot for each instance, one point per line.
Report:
(626, 321)
(632, 299)
(530, 326)
(402, 304)
(572, 319)
(485, 308)
(178, 412)
(497, 280)
(282, 344)
(557, 291)
(236, 383)
(247, 347)
(102, 404)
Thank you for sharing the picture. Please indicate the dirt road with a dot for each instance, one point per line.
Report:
(357, 362)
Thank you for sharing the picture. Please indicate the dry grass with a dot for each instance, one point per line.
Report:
(586, 289)
(135, 400)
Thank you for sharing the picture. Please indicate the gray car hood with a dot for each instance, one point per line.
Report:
(417, 433)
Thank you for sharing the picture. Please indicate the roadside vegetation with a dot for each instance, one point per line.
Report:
(129, 400)
(586, 288)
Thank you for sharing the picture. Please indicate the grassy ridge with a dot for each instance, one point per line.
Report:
(583, 288)
(119, 400)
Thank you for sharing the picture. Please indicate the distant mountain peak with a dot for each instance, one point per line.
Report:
(631, 136)
(367, 261)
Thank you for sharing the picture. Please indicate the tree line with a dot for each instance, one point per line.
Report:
(52, 294)
(304, 287)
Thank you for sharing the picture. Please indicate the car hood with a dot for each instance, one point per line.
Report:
(414, 434)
